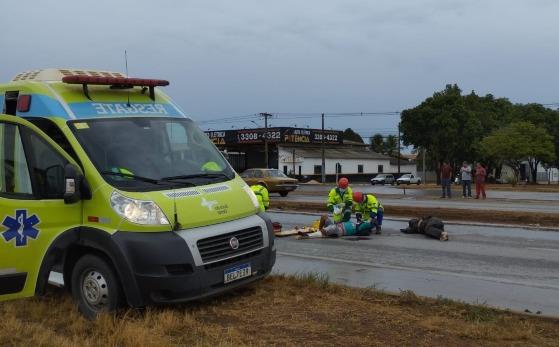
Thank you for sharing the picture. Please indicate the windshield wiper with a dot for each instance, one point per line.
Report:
(139, 178)
(198, 175)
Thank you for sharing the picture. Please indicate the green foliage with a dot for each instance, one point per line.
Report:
(351, 135)
(518, 142)
(377, 143)
(385, 145)
(451, 126)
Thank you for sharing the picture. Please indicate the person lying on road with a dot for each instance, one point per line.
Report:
(429, 226)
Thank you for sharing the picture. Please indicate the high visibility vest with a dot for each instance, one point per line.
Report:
(370, 204)
(262, 195)
(336, 198)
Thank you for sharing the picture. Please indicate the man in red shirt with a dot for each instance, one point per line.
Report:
(480, 180)
(446, 179)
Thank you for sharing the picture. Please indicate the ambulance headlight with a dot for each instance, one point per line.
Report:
(252, 196)
(138, 211)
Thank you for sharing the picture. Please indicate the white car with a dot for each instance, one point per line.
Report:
(408, 179)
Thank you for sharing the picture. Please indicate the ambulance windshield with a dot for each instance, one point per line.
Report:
(151, 153)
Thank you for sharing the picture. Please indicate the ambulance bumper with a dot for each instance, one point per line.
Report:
(182, 266)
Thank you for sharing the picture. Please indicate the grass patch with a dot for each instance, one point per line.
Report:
(281, 310)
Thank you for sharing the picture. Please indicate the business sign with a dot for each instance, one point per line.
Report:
(275, 135)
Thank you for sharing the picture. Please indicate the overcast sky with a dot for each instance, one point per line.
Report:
(230, 58)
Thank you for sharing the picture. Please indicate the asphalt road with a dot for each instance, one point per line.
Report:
(395, 197)
(511, 268)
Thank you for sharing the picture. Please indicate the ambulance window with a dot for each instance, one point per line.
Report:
(54, 132)
(47, 167)
(14, 172)
(177, 136)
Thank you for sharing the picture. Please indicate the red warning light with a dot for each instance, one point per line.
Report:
(23, 103)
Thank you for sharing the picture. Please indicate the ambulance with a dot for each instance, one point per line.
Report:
(105, 183)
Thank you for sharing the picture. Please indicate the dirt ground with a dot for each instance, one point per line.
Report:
(448, 214)
(281, 311)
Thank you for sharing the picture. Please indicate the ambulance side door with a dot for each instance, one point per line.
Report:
(32, 208)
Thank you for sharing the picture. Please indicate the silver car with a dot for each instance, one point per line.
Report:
(383, 179)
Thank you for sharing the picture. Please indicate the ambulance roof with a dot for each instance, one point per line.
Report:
(89, 94)
(58, 74)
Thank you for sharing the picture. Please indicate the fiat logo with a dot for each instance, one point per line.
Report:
(234, 242)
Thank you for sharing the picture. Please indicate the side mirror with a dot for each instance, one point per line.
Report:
(76, 187)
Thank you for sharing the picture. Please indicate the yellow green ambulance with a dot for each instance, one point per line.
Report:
(106, 183)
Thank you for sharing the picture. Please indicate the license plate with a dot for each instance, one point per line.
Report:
(236, 273)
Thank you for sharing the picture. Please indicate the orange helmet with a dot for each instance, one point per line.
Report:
(358, 197)
(343, 183)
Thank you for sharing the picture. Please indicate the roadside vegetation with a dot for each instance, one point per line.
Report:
(302, 310)
(460, 127)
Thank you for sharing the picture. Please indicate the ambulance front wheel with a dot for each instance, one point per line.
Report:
(95, 287)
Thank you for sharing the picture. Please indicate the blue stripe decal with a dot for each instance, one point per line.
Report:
(43, 105)
(121, 109)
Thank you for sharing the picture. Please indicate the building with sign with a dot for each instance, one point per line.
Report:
(298, 152)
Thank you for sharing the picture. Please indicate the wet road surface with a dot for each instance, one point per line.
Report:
(511, 268)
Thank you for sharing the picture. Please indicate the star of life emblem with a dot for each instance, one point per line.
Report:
(21, 228)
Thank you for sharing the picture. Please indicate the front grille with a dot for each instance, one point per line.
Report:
(218, 247)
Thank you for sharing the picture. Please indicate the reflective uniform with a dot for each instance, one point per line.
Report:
(262, 195)
(344, 201)
(370, 207)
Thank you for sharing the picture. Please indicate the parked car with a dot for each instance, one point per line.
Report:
(383, 179)
(274, 180)
(408, 179)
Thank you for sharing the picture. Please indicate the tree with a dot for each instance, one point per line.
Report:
(351, 135)
(377, 143)
(450, 125)
(518, 142)
(391, 145)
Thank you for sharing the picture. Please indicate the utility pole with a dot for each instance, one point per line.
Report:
(424, 178)
(294, 162)
(266, 115)
(398, 149)
(323, 171)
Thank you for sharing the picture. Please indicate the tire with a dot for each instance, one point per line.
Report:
(283, 194)
(418, 182)
(398, 183)
(372, 183)
(103, 292)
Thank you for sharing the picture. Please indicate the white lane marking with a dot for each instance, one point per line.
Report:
(404, 268)
(544, 249)
(61, 101)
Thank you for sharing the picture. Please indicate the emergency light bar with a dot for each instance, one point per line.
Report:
(115, 82)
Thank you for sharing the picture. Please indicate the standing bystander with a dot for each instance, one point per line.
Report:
(480, 180)
(446, 177)
(466, 172)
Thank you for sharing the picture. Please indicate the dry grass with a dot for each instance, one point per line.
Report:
(306, 310)
(448, 214)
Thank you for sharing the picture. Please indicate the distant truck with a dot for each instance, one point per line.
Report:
(104, 180)
(408, 179)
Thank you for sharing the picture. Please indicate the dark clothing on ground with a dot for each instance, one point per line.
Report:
(429, 226)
